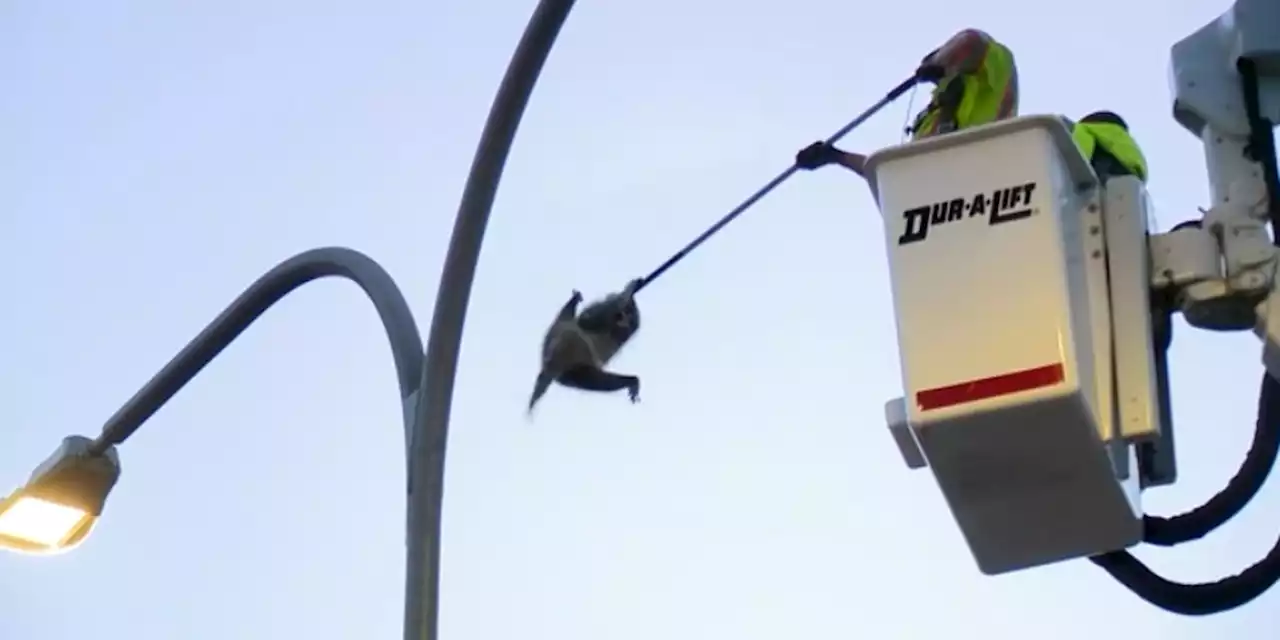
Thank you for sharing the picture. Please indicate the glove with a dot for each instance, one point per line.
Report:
(930, 73)
(818, 154)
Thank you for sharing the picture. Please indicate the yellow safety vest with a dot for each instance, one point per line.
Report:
(1115, 140)
(982, 94)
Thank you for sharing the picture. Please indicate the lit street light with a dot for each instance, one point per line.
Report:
(59, 505)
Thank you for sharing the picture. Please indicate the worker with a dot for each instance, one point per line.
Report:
(1103, 138)
(976, 82)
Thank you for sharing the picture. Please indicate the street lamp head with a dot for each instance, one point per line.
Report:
(58, 506)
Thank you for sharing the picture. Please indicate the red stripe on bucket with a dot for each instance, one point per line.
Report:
(992, 387)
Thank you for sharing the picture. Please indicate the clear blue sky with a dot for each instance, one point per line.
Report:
(155, 157)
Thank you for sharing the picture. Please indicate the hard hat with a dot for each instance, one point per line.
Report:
(1108, 117)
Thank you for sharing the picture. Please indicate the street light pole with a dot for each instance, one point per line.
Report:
(427, 449)
(397, 319)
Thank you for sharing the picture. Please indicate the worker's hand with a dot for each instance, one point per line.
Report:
(576, 297)
(818, 154)
(929, 72)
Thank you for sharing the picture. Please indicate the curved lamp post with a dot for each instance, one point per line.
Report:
(58, 506)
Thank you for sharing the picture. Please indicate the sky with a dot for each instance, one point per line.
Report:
(157, 157)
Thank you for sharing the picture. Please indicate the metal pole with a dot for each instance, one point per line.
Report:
(397, 319)
(431, 420)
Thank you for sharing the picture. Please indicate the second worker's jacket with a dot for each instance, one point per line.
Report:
(1109, 149)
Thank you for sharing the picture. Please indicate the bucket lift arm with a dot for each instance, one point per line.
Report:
(1226, 84)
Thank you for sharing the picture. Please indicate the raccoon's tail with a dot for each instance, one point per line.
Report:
(540, 387)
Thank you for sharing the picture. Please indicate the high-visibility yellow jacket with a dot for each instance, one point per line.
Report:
(979, 85)
(1115, 141)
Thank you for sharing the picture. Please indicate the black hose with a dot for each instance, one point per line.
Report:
(1240, 490)
(1213, 597)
